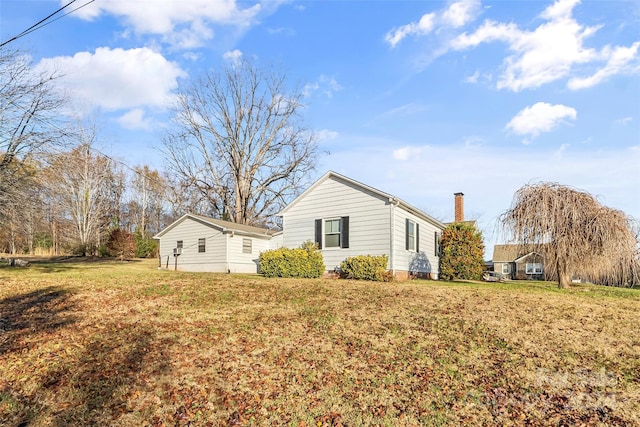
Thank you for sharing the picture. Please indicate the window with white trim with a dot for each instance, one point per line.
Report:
(506, 269)
(411, 235)
(247, 246)
(202, 245)
(332, 233)
(533, 268)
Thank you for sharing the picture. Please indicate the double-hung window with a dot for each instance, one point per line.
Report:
(505, 268)
(202, 245)
(332, 232)
(246, 246)
(412, 236)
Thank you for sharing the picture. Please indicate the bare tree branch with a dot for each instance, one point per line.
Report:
(575, 234)
(29, 118)
(239, 140)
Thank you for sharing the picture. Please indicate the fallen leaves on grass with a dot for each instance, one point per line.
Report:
(128, 345)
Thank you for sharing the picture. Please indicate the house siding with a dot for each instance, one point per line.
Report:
(369, 220)
(239, 262)
(189, 231)
(423, 263)
(276, 241)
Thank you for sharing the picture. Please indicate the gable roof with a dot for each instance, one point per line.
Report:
(224, 226)
(510, 253)
(364, 187)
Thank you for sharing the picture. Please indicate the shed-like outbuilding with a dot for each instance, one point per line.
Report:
(199, 243)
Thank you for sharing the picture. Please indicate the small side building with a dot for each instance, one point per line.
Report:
(199, 243)
(518, 263)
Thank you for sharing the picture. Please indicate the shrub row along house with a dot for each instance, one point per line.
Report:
(342, 216)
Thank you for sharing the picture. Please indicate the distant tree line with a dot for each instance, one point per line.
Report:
(236, 149)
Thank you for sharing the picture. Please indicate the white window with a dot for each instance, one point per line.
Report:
(411, 235)
(202, 245)
(534, 268)
(332, 233)
(246, 246)
(505, 269)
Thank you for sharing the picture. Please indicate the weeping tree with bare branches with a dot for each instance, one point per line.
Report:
(239, 140)
(575, 234)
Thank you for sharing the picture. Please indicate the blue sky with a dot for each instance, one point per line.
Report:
(420, 99)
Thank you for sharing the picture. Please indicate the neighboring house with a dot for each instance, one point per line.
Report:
(518, 263)
(199, 243)
(347, 218)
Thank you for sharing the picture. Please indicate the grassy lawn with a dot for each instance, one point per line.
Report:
(109, 343)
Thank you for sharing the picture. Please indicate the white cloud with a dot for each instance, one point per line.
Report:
(552, 51)
(456, 15)
(539, 118)
(461, 13)
(473, 78)
(233, 56)
(423, 26)
(561, 150)
(115, 79)
(134, 119)
(182, 23)
(325, 85)
(408, 152)
(620, 60)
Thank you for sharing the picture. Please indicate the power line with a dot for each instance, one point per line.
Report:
(43, 22)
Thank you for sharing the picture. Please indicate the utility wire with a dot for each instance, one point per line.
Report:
(91, 147)
(43, 22)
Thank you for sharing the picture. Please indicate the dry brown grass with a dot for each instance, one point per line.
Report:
(125, 344)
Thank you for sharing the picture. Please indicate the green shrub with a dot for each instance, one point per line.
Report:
(305, 261)
(146, 247)
(366, 267)
(462, 252)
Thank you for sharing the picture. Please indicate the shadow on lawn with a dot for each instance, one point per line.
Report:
(104, 381)
(90, 375)
(43, 310)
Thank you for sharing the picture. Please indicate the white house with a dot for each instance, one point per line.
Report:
(343, 216)
(347, 218)
(199, 243)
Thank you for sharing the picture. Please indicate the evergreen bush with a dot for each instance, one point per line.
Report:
(366, 267)
(305, 261)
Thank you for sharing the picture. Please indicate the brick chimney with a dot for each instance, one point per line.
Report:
(459, 207)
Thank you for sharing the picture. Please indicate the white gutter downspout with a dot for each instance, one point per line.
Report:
(392, 259)
(228, 234)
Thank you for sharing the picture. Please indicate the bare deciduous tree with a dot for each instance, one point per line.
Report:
(149, 189)
(575, 234)
(82, 184)
(240, 142)
(29, 118)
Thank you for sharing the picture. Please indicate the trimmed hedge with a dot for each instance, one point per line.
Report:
(366, 267)
(305, 261)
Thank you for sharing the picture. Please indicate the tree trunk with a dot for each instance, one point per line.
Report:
(564, 278)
